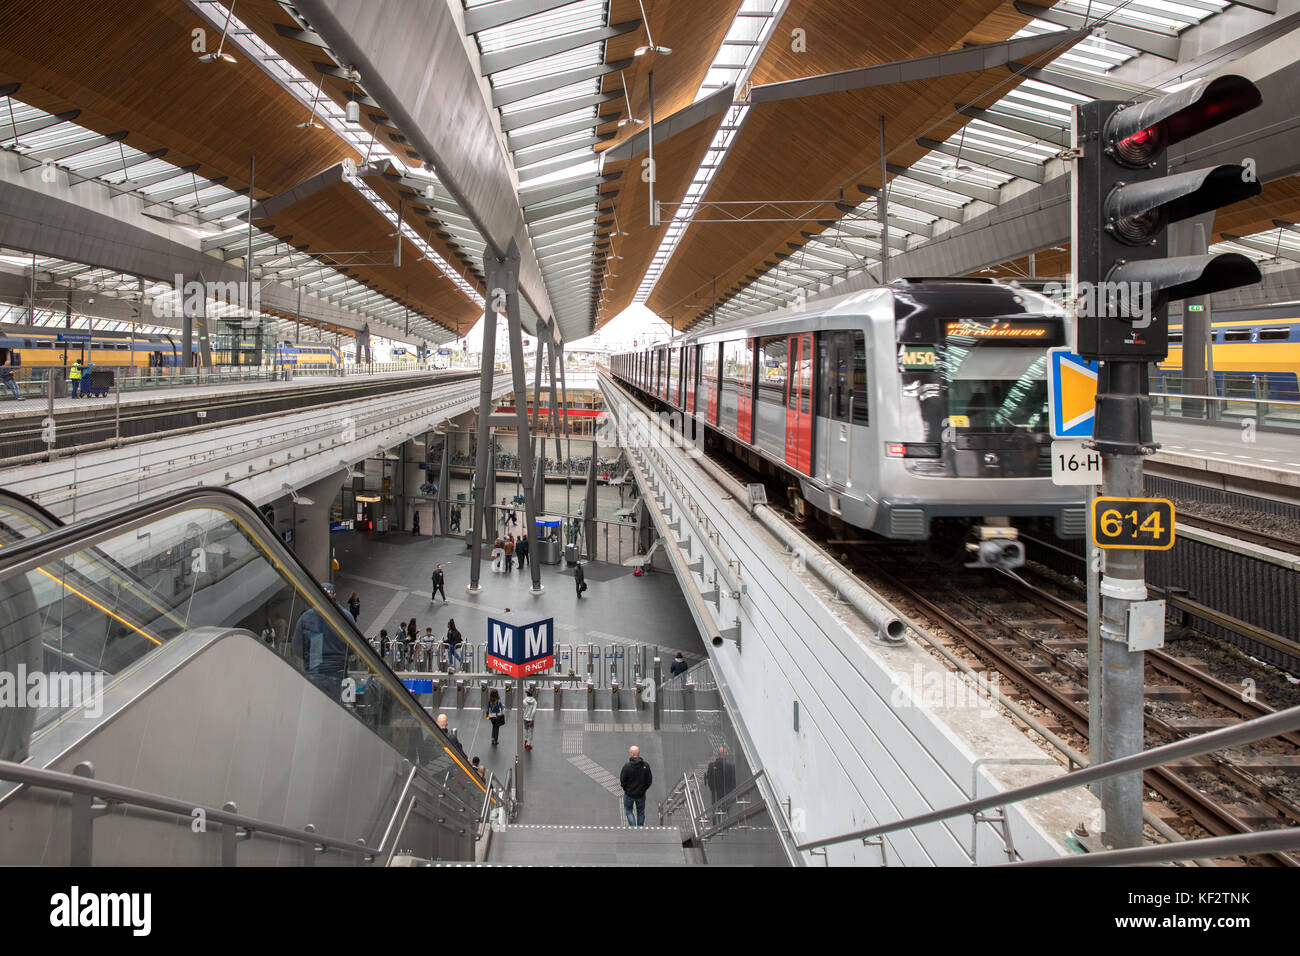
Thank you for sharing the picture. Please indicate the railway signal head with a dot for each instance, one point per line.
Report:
(1125, 202)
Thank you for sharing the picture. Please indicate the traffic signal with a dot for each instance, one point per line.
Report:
(1125, 202)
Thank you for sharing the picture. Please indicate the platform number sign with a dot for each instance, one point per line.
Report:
(1144, 524)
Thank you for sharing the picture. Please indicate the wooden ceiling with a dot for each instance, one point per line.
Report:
(808, 149)
(693, 31)
(1279, 201)
(131, 68)
(135, 71)
(338, 220)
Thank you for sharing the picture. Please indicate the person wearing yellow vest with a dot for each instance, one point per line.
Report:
(74, 376)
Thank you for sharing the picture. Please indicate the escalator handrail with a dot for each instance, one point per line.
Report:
(23, 503)
(31, 553)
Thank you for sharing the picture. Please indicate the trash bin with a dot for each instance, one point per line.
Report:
(570, 555)
(469, 537)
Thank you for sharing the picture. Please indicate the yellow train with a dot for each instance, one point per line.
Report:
(1263, 347)
(30, 347)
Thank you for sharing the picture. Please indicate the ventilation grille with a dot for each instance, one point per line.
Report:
(907, 523)
(1074, 522)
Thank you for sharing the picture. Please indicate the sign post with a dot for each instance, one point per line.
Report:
(518, 647)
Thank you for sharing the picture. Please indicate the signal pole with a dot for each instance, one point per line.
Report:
(1124, 200)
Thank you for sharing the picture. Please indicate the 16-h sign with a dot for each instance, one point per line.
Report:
(521, 649)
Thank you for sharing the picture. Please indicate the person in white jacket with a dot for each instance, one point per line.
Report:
(529, 707)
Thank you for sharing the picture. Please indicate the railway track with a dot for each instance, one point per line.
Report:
(1241, 533)
(1037, 641)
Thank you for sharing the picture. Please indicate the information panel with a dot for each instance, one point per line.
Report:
(1145, 524)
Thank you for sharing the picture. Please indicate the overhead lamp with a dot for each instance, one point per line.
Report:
(214, 57)
(630, 120)
(310, 124)
(950, 173)
(297, 498)
(429, 192)
(643, 50)
(352, 112)
(221, 54)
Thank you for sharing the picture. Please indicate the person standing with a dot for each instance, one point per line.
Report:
(74, 376)
(439, 579)
(354, 605)
(321, 649)
(496, 714)
(384, 643)
(508, 548)
(453, 641)
(428, 649)
(455, 518)
(521, 550)
(635, 779)
(415, 525)
(7, 375)
(580, 579)
(529, 713)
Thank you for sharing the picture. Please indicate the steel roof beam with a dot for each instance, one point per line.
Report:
(540, 114)
(542, 213)
(528, 159)
(1158, 41)
(971, 190)
(502, 60)
(515, 92)
(1035, 131)
(551, 191)
(971, 59)
(1273, 251)
(1013, 167)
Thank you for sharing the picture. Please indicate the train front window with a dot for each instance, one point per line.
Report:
(993, 388)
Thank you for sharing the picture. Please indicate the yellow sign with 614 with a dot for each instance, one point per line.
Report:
(1144, 524)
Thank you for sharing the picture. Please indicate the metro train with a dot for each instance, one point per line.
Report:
(916, 411)
(39, 347)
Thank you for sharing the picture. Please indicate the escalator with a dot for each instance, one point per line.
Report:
(175, 648)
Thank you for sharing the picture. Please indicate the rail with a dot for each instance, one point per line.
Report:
(235, 826)
(1260, 728)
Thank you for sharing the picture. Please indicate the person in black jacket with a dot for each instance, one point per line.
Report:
(354, 605)
(679, 665)
(453, 641)
(635, 779)
(521, 550)
(580, 579)
(720, 776)
(439, 579)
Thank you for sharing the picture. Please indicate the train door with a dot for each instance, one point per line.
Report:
(691, 363)
(835, 412)
(798, 403)
(745, 394)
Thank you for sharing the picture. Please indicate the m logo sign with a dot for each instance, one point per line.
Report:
(520, 649)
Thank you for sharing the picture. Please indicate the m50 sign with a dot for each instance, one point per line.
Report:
(521, 649)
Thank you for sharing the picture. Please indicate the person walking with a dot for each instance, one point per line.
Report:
(415, 525)
(720, 776)
(529, 708)
(679, 665)
(521, 550)
(409, 636)
(74, 376)
(508, 548)
(496, 713)
(453, 641)
(354, 605)
(580, 579)
(384, 643)
(439, 579)
(455, 518)
(635, 779)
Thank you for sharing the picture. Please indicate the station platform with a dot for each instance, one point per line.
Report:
(570, 778)
(1232, 457)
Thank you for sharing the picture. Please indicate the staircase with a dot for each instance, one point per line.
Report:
(588, 846)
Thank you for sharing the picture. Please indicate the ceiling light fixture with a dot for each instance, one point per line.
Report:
(651, 48)
(220, 54)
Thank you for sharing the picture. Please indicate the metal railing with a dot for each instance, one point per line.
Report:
(1260, 728)
(1233, 399)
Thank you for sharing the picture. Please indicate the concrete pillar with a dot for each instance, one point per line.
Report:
(311, 522)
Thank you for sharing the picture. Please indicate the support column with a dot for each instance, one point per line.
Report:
(521, 413)
(1189, 239)
(487, 368)
(539, 479)
(589, 525)
(444, 489)
(311, 523)
(568, 442)
(1123, 429)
